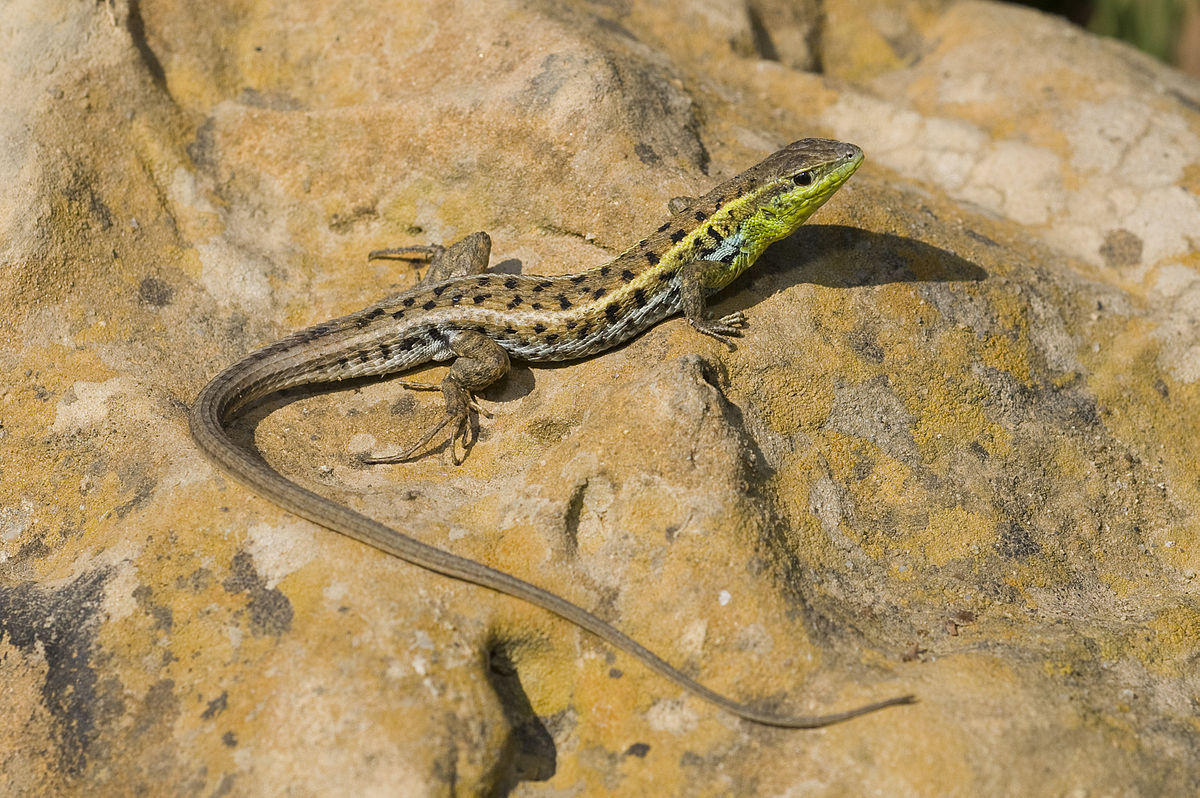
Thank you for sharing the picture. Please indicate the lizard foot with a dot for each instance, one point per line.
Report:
(723, 328)
(462, 414)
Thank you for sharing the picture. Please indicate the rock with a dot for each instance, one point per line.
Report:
(954, 454)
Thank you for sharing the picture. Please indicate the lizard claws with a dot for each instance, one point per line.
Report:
(465, 432)
(722, 329)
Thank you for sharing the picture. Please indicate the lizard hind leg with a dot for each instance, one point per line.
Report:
(469, 255)
(479, 362)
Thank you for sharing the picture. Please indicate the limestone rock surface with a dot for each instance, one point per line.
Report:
(955, 454)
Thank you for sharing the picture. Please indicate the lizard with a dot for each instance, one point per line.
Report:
(478, 320)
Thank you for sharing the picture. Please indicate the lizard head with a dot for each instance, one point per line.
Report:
(769, 201)
(794, 182)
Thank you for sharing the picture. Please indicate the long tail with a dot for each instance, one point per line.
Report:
(208, 430)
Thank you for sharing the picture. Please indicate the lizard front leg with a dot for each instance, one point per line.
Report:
(693, 279)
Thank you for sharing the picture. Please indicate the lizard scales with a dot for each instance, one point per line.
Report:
(478, 320)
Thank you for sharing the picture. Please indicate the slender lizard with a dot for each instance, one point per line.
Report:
(477, 320)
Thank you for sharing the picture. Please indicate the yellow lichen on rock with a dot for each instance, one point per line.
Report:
(953, 454)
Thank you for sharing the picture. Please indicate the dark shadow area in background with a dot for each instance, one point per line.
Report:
(1166, 29)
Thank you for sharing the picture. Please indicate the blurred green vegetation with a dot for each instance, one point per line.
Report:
(1153, 26)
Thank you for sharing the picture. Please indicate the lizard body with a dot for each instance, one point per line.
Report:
(479, 320)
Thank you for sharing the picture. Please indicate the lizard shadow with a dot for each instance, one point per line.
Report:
(838, 256)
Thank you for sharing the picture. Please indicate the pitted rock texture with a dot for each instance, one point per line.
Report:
(954, 455)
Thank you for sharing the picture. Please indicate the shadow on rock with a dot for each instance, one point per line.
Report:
(846, 257)
(529, 753)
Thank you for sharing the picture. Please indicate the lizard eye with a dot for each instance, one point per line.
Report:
(802, 179)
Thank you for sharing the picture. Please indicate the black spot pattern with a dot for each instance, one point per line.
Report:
(627, 275)
(313, 333)
(677, 236)
(430, 305)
